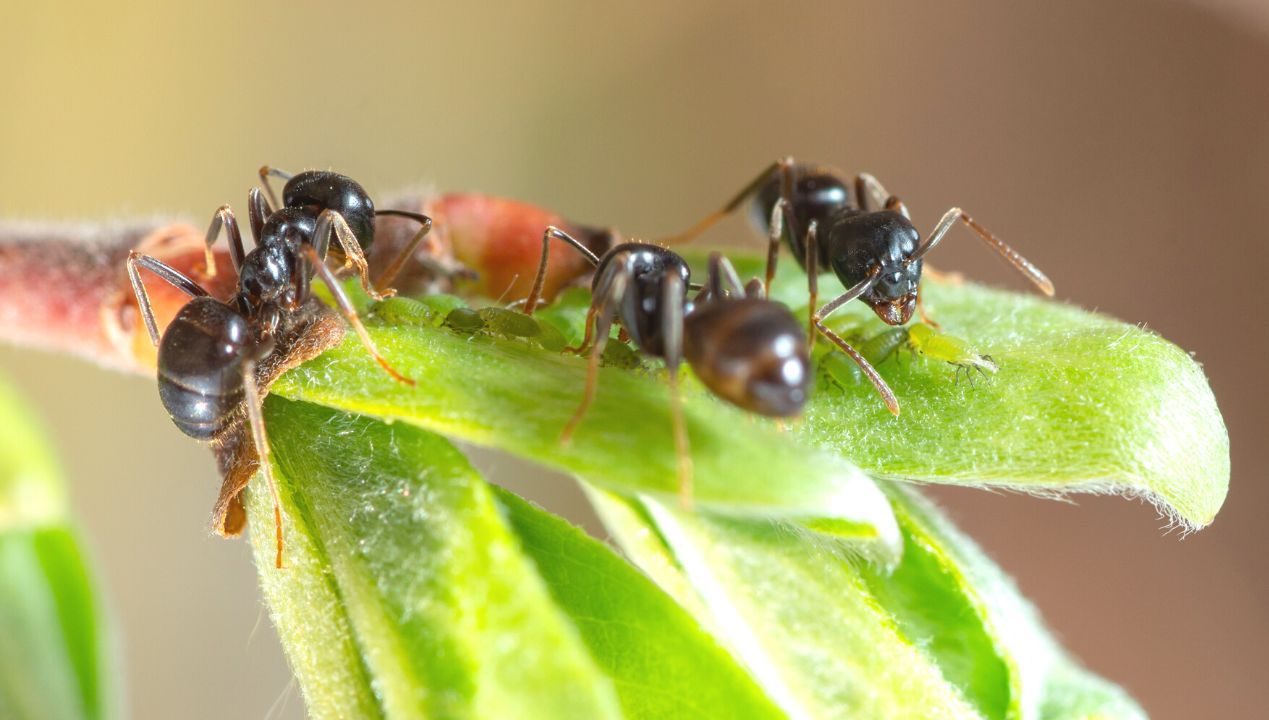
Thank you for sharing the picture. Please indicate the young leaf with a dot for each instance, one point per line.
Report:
(56, 655)
(518, 398)
(1081, 403)
(412, 590)
(943, 635)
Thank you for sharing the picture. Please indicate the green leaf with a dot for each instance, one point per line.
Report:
(1081, 403)
(413, 590)
(663, 664)
(511, 395)
(943, 635)
(56, 655)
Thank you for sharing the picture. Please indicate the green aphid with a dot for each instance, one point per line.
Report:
(619, 354)
(880, 347)
(839, 368)
(926, 341)
(509, 323)
(549, 337)
(464, 320)
(405, 311)
(443, 304)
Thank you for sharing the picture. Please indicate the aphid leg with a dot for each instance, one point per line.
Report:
(265, 173)
(1021, 264)
(784, 166)
(255, 418)
(332, 223)
(535, 295)
(609, 298)
(174, 277)
(350, 312)
(829, 308)
(224, 217)
(672, 332)
(383, 284)
(812, 251)
(258, 211)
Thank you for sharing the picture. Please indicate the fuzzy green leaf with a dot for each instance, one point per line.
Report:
(56, 655)
(943, 635)
(511, 395)
(1081, 403)
(413, 590)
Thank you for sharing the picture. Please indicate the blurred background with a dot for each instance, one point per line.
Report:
(1123, 146)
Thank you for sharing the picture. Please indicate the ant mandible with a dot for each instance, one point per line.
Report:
(869, 242)
(746, 349)
(209, 355)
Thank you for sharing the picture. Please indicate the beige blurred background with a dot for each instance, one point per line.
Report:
(1123, 146)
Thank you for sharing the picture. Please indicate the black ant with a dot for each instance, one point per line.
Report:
(869, 242)
(212, 358)
(748, 350)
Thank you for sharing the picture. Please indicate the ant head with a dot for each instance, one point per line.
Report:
(646, 267)
(881, 242)
(318, 190)
(750, 352)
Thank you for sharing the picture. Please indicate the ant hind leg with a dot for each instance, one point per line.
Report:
(255, 418)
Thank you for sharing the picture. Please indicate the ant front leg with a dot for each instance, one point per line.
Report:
(870, 194)
(265, 173)
(672, 332)
(607, 299)
(332, 223)
(1011, 256)
(425, 226)
(225, 217)
(350, 312)
(174, 277)
(783, 166)
(255, 419)
(887, 395)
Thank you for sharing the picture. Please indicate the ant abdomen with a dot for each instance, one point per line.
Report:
(318, 190)
(752, 353)
(818, 192)
(200, 365)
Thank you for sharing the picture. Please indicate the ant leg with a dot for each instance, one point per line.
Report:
(887, 395)
(869, 188)
(265, 173)
(224, 216)
(174, 278)
(615, 288)
(258, 211)
(672, 332)
(332, 223)
(780, 218)
(530, 304)
(812, 250)
(390, 274)
(255, 418)
(784, 166)
(720, 269)
(350, 313)
(925, 317)
(1010, 255)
